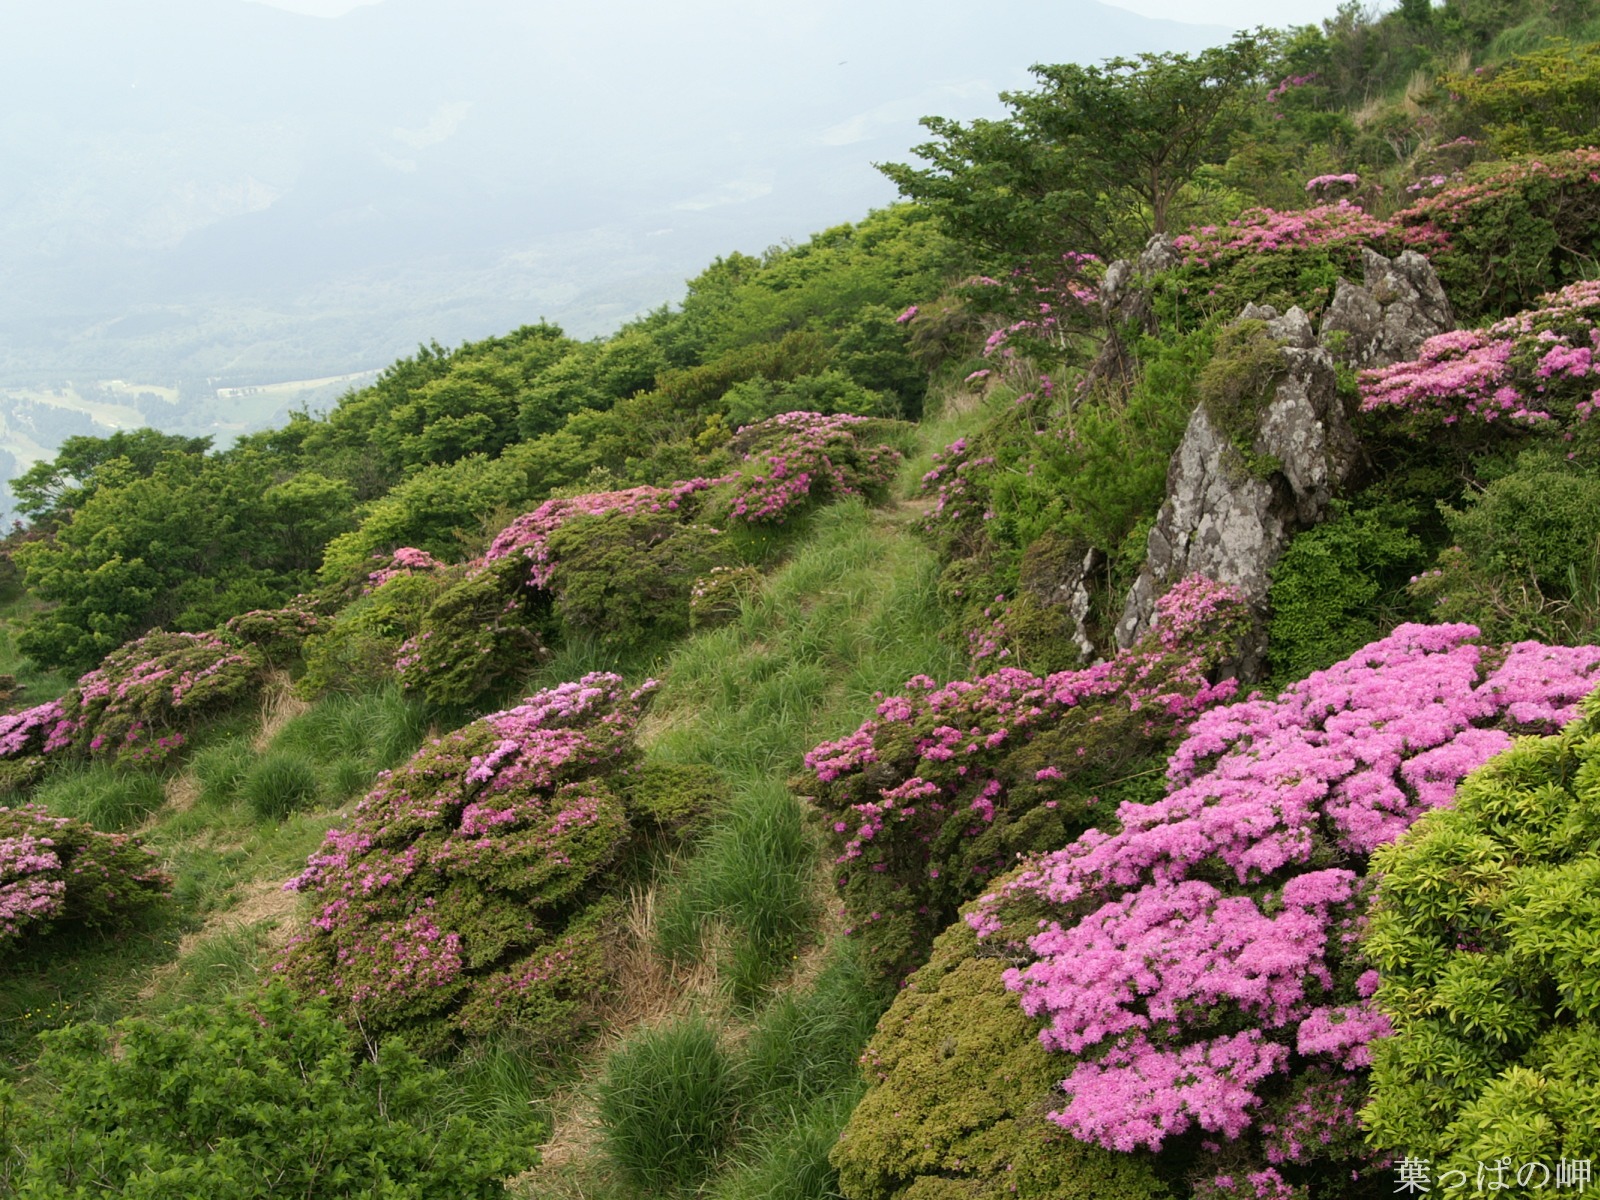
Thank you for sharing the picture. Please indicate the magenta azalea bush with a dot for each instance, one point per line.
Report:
(1536, 369)
(1509, 232)
(136, 708)
(468, 891)
(937, 795)
(60, 870)
(799, 459)
(1199, 970)
(1262, 230)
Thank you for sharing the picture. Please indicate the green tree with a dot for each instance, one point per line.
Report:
(1091, 160)
(193, 543)
(67, 480)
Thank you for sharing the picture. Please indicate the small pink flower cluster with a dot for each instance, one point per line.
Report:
(1261, 230)
(405, 561)
(799, 458)
(960, 496)
(59, 869)
(1053, 300)
(1239, 897)
(921, 800)
(1536, 369)
(1323, 183)
(463, 869)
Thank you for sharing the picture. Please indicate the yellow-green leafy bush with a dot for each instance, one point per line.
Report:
(1486, 931)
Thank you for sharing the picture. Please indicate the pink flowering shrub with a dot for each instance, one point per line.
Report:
(929, 801)
(1199, 970)
(1270, 257)
(1535, 370)
(467, 892)
(1509, 232)
(1045, 305)
(60, 870)
(136, 708)
(406, 560)
(799, 459)
(278, 633)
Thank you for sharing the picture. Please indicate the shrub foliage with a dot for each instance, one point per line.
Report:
(467, 891)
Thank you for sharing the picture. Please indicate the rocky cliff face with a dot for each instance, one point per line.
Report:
(1228, 518)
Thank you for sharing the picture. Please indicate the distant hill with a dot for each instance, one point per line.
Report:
(215, 189)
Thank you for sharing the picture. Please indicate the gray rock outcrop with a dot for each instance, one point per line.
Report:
(1398, 305)
(1223, 516)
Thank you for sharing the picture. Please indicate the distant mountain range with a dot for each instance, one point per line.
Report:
(218, 190)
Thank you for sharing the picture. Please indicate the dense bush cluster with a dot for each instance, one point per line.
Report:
(1510, 231)
(929, 801)
(1197, 971)
(262, 1095)
(798, 459)
(1484, 931)
(58, 870)
(135, 709)
(467, 891)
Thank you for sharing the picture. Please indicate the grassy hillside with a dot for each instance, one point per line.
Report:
(697, 762)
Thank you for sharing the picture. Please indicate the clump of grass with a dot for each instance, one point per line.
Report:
(220, 769)
(348, 738)
(221, 965)
(753, 871)
(668, 1104)
(279, 783)
(104, 796)
(498, 1084)
(793, 1163)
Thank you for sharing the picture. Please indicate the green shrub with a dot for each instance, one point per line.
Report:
(626, 577)
(1484, 929)
(1510, 232)
(474, 640)
(676, 797)
(279, 783)
(355, 651)
(1328, 588)
(254, 1097)
(1527, 557)
(668, 1102)
(719, 596)
(1237, 384)
(279, 633)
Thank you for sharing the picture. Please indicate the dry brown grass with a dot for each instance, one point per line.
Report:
(279, 706)
(262, 902)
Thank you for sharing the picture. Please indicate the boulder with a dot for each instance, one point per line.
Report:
(1398, 305)
(1231, 509)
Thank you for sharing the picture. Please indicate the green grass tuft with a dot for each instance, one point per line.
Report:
(668, 1104)
(279, 783)
(107, 798)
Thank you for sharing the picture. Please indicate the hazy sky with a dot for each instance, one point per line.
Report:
(1241, 14)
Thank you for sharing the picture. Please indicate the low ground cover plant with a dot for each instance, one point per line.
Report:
(259, 1095)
